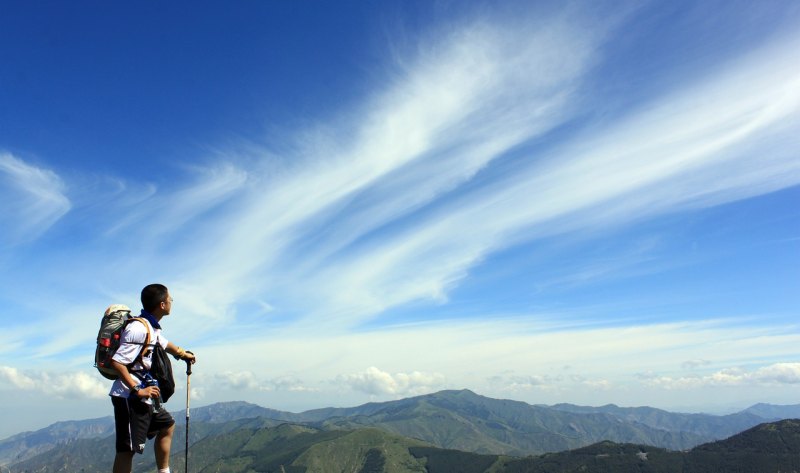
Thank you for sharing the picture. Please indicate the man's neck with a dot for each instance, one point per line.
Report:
(156, 317)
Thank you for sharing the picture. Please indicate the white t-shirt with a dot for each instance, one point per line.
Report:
(131, 342)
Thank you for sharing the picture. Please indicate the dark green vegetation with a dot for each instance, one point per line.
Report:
(455, 461)
(444, 432)
(772, 447)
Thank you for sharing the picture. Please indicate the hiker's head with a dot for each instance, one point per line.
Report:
(156, 299)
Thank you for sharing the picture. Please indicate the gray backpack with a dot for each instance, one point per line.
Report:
(115, 318)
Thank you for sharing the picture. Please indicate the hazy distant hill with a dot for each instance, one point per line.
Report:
(28, 444)
(293, 448)
(96, 454)
(459, 420)
(773, 412)
(704, 425)
(228, 411)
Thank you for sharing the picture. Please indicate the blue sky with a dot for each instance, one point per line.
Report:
(550, 202)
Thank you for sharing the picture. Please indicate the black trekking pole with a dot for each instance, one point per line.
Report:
(186, 451)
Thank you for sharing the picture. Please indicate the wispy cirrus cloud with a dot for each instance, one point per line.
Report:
(485, 162)
(463, 102)
(432, 175)
(32, 199)
(170, 210)
(436, 171)
(722, 138)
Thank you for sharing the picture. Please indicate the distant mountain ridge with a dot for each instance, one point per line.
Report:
(705, 425)
(294, 448)
(27, 444)
(773, 412)
(769, 447)
(459, 420)
(463, 420)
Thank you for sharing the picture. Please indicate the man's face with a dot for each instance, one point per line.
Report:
(166, 305)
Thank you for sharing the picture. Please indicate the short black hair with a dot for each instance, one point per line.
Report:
(153, 295)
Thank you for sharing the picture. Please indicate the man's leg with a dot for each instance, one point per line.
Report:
(163, 444)
(123, 462)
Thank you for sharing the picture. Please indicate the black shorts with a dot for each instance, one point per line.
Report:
(135, 423)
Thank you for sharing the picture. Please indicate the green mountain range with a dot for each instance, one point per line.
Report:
(463, 420)
(449, 427)
(293, 448)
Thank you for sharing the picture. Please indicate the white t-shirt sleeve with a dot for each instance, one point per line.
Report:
(162, 340)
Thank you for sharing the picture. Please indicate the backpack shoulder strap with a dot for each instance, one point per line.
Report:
(146, 327)
(147, 339)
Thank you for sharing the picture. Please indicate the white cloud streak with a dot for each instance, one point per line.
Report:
(412, 360)
(249, 381)
(62, 385)
(169, 212)
(239, 380)
(373, 381)
(772, 375)
(727, 139)
(432, 175)
(340, 227)
(460, 106)
(531, 355)
(515, 383)
(32, 199)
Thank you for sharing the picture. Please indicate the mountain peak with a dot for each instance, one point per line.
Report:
(774, 412)
(455, 392)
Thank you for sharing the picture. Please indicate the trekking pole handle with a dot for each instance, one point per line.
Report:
(189, 365)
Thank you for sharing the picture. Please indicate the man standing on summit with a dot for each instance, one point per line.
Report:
(135, 417)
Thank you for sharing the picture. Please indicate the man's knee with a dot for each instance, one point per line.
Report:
(123, 462)
(166, 432)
